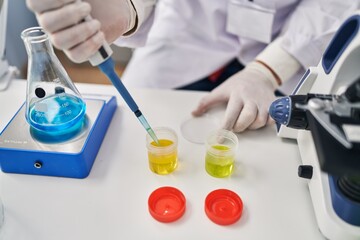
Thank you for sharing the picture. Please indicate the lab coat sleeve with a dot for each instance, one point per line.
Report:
(306, 34)
(144, 18)
(280, 62)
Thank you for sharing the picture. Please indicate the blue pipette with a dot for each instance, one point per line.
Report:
(108, 68)
(102, 59)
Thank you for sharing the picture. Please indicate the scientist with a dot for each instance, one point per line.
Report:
(240, 50)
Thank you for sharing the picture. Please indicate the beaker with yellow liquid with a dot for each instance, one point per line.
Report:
(221, 146)
(163, 157)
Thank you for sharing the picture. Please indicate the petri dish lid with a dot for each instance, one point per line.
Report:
(166, 204)
(223, 207)
(197, 129)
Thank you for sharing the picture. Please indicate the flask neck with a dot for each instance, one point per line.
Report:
(36, 41)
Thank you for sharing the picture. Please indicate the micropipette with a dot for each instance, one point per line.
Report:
(108, 68)
(102, 59)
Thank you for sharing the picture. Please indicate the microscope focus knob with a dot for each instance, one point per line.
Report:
(305, 171)
(280, 110)
(285, 112)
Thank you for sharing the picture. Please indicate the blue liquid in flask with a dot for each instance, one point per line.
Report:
(58, 117)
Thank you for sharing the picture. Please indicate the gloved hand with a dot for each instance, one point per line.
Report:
(248, 95)
(63, 21)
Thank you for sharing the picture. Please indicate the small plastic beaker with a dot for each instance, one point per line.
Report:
(163, 158)
(221, 147)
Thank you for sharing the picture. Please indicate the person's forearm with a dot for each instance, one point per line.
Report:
(279, 64)
(137, 36)
(310, 27)
(143, 9)
(110, 13)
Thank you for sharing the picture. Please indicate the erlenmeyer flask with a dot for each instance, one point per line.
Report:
(54, 107)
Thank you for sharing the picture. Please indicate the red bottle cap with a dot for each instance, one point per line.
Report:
(166, 204)
(223, 206)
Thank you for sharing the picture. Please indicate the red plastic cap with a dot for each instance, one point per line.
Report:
(223, 207)
(166, 204)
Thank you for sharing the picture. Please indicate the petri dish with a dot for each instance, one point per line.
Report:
(167, 204)
(223, 207)
(197, 129)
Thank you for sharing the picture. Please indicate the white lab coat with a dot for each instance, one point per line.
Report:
(186, 40)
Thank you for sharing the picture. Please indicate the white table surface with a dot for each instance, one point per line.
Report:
(111, 203)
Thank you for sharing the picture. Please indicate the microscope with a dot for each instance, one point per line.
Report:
(323, 115)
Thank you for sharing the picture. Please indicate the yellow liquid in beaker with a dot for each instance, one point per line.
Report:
(219, 165)
(163, 162)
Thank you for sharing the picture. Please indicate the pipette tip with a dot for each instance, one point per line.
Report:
(153, 136)
(146, 125)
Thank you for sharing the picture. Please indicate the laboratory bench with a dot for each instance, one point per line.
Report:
(112, 202)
